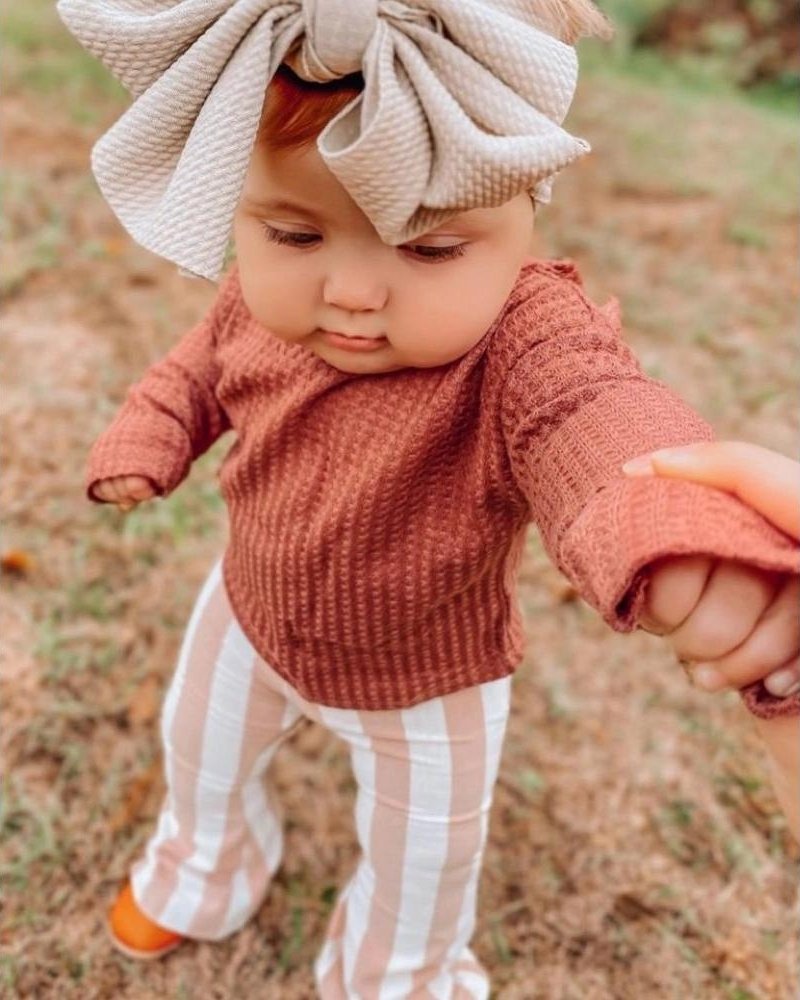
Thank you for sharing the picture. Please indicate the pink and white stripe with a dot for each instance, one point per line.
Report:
(425, 775)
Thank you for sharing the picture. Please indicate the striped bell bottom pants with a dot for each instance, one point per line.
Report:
(401, 925)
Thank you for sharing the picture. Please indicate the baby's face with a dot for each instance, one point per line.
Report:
(311, 265)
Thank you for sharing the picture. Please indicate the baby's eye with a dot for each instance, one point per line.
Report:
(288, 239)
(437, 253)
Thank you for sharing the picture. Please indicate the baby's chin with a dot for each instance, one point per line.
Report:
(378, 362)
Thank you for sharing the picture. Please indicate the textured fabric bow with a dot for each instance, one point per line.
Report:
(461, 108)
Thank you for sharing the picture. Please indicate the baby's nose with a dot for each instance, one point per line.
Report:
(355, 290)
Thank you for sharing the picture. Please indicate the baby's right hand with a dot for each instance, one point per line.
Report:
(124, 491)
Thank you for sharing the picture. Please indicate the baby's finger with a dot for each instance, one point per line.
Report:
(733, 601)
(114, 489)
(138, 488)
(118, 493)
(675, 587)
(769, 651)
(104, 490)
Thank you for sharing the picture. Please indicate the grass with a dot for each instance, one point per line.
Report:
(44, 60)
(712, 72)
(758, 177)
(38, 232)
(190, 513)
(687, 75)
(32, 829)
(747, 234)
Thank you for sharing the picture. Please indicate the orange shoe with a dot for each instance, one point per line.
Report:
(134, 934)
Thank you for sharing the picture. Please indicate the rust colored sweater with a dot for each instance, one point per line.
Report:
(377, 521)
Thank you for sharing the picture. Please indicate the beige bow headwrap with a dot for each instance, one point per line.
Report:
(461, 108)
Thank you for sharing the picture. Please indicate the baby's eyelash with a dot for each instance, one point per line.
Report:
(307, 239)
(289, 239)
(439, 253)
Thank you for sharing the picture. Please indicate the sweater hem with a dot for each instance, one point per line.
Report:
(496, 664)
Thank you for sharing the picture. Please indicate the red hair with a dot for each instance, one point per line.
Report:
(296, 111)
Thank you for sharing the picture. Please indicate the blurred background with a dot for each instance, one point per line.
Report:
(635, 848)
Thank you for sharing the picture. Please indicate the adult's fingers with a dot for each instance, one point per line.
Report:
(764, 479)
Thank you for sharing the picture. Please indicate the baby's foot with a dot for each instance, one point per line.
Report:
(135, 934)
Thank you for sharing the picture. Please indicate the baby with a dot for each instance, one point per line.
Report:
(403, 410)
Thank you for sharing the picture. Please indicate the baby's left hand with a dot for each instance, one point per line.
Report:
(735, 623)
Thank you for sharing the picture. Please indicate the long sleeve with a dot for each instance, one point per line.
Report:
(576, 406)
(172, 415)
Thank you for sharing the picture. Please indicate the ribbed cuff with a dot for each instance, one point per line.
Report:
(633, 522)
(155, 449)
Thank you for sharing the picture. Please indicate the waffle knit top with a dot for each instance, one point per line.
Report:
(377, 521)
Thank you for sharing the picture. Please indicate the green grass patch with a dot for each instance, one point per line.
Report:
(64, 656)
(44, 60)
(712, 72)
(182, 516)
(33, 830)
(688, 75)
(747, 234)
(689, 131)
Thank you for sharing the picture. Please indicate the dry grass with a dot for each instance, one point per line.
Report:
(635, 850)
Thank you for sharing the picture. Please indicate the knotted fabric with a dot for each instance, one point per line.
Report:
(461, 108)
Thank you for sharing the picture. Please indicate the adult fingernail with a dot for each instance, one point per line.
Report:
(676, 457)
(708, 678)
(641, 466)
(782, 683)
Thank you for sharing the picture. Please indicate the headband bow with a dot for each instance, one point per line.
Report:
(461, 108)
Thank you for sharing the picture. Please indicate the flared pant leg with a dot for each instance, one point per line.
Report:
(219, 836)
(425, 775)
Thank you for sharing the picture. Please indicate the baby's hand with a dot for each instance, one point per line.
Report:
(124, 491)
(736, 624)
(770, 483)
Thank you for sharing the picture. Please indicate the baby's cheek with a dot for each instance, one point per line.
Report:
(438, 317)
(275, 309)
(429, 344)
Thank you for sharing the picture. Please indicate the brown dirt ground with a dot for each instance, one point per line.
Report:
(635, 850)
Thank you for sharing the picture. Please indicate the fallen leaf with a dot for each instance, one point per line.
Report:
(16, 561)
